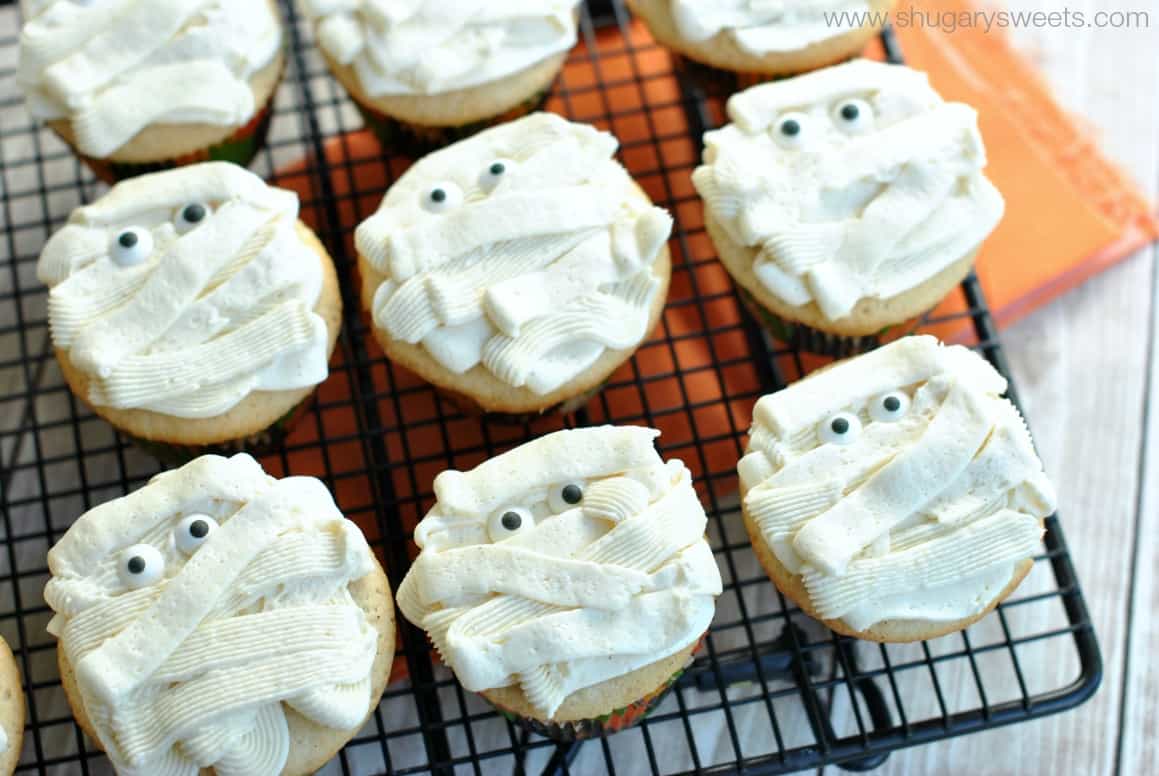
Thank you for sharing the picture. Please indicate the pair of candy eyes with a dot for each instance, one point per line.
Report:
(844, 427)
(852, 116)
(134, 245)
(511, 521)
(142, 564)
(446, 195)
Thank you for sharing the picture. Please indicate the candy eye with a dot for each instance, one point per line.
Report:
(192, 532)
(565, 496)
(854, 116)
(889, 407)
(494, 173)
(132, 246)
(442, 197)
(839, 429)
(189, 216)
(140, 566)
(791, 130)
(508, 522)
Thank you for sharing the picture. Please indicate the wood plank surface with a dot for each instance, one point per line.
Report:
(1080, 365)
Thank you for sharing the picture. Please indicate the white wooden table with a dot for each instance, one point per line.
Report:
(1085, 366)
(1086, 371)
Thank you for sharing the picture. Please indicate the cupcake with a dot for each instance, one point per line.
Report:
(143, 85)
(222, 621)
(895, 496)
(192, 309)
(846, 201)
(11, 711)
(754, 42)
(427, 74)
(568, 581)
(516, 270)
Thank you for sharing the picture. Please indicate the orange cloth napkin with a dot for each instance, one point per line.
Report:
(1070, 213)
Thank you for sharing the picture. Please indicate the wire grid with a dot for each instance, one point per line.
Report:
(772, 691)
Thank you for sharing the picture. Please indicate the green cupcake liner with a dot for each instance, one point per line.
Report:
(715, 81)
(802, 337)
(467, 406)
(240, 148)
(603, 725)
(260, 443)
(419, 139)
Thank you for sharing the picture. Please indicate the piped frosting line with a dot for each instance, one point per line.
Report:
(1004, 537)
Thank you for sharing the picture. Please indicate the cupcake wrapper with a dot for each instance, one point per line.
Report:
(802, 337)
(715, 81)
(419, 139)
(259, 443)
(605, 724)
(469, 406)
(240, 148)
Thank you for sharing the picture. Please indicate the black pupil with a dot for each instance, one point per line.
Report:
(791, 128)
(198, 529)
(511, 521)
(497, 168)
(193, 213)
(572, 494)
(136, 564)
(891, 403)
(839, 425)
(850, 112)
(438, 195)
(127, 239)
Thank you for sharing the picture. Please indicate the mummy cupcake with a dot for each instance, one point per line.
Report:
(567, 580)
(426, 74)
(761, 40)
(140, 85)
(11, 711)
(846, 201)
(220, 621)
(517, 269)
(191, 309)
(896, 496)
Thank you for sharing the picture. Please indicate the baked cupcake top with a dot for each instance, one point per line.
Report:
(183, 291)
(420, 47)
(853, 182)
(196, 611)
(113, 67)
(899, 485)
(526, 250)
(760, 28)
(572, 559)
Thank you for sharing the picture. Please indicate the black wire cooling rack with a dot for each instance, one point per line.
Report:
(772, 691)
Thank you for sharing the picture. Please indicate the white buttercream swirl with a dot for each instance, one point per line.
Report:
(898, 485)
(189, 645)
(764, 26)
(857, 181)
(586, 585)
(114, 67)
(194, 316)
(419, 47)
(525, 250)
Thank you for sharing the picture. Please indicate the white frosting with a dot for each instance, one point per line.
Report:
(196, 670)
(846, 210)
(3, 740)
(532, 273)
(580, 592)
(195, 316)
(421, 47)
(921, 509)
(114, 67)
(764, 26)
